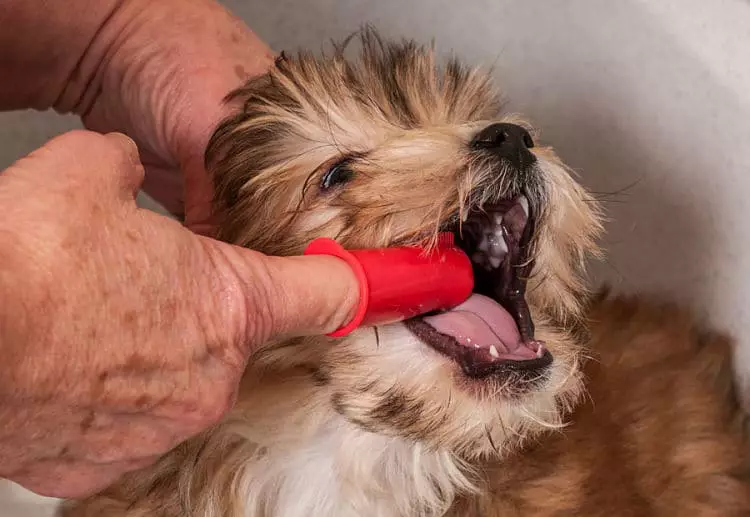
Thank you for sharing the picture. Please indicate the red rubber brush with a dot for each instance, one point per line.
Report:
(399, 283)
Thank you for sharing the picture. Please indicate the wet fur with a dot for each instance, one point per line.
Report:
(380, 425)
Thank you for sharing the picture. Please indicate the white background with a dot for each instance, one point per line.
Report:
(648, 99)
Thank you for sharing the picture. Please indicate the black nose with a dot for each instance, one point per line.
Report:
(507, 141)
(500, 135)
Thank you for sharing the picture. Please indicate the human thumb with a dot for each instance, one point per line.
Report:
(278, 297)
(273, 296)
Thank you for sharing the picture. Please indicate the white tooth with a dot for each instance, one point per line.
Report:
(539, 351)
(495, 262)
(524, 204)
(497, 246)
(498, 219)
(493, 352)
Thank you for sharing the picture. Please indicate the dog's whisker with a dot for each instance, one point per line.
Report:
(620, 191)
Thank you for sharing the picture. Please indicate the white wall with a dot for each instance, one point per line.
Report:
(648, 99)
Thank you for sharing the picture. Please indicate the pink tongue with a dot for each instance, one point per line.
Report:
(480, 322)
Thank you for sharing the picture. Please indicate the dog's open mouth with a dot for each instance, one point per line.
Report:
(491, 332)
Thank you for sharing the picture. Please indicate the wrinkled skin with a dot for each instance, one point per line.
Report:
(122, 332)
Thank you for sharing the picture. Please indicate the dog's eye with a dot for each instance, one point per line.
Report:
(337, 175)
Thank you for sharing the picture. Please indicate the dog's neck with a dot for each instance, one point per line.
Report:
(342, 471)
(316, 462)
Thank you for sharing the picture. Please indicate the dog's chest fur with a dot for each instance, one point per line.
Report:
(341, 471)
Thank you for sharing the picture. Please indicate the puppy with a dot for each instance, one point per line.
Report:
(479, 411)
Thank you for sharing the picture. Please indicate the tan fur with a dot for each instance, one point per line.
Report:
(378, 424)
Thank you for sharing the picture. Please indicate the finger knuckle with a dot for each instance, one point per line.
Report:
(113, 147)
(122, 147)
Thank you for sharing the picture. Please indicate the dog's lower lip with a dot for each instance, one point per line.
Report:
(478, 363)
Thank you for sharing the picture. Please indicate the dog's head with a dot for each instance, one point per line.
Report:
(390, 148)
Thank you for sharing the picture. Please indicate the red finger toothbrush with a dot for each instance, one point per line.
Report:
(399, 283)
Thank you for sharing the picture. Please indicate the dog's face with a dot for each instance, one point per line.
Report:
(387, 149)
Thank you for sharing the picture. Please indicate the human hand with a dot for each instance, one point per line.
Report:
(121, 332)
(158, 72)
